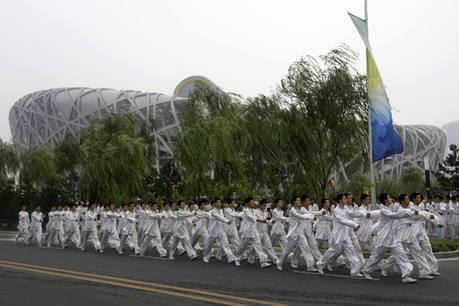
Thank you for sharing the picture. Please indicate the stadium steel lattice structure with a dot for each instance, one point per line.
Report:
(420, 142)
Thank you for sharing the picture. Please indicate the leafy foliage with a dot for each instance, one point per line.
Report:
(448, 173)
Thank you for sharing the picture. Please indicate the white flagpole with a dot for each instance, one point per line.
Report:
(370, 143)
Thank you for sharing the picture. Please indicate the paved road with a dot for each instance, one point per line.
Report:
(39, 276)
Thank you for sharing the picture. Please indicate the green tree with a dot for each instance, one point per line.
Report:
(358, 184)
(9, 163)
(113, 160)
(448, 171)
(38, 169)
(68, 162)
(328, 115)
(412, 180)
(209, 149)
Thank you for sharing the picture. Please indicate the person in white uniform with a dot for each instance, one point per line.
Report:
(278, 234)
(23, 225)
(406, 232)
(72, 227)
(249, 234)
(217, 233)
(129, 232)
(90, 229)
(152, 234)
(181, 233)
(231, 229)
(323, 224)
(341, 242)
(386, 239)
(262, 228)
(110, 236)
(295, 235)
(57, 228)
(36, 226)
(201, 219)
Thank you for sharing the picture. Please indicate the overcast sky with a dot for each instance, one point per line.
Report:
(244, 46)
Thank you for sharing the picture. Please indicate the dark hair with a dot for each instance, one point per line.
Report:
(364, 196)
(277, 200)
(229, 200)
(180, 202)
(383, 197)
(247, 200)
(340, 196)
(347, 194)
(401, 197)
(322, 202)
(295, 197)
(304, 197)
(215, 200)
(263, 201)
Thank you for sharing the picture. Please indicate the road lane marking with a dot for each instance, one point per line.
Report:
(119, 284)
(331, 275)
(137, 282)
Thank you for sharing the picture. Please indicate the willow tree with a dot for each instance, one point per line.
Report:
(68, 161)
(113, 160)
(327, 103)
(38, 169)
(9, 163)
(209, 150)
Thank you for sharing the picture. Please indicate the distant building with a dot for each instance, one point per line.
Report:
(48, 116)
(452, 134)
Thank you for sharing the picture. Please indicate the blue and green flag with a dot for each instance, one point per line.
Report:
(384, 137)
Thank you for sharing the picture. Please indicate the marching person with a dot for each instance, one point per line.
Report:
(323, 224)
(231, 229)
(262, 214)
(129, 231)
(36, 226)
(249, 234)
(341, 242)
(386, 239)
(200, 233)
(72, 227)
(110, 234)
(278, 229)
(181, 233)
(295, 235)
(152, 233)
(23, 225)
(217, 233)
(57, 227)
(90, 229)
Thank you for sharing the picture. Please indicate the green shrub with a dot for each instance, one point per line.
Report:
(443, 245)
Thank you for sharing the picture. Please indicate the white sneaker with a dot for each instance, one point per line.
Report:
(265, 265)
(205, 260)
(383, 273)
(357, 274)
(435, 273)
(194, 257)
(330, 268)
(279, 267)
(320, 270)
(408, 280)
(312, 269)
(171, 257)
(294, 265)
(237, 263)
(101, 251)
(425, 276)
(368, 276)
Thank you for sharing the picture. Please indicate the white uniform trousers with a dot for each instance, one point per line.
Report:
(399, 256)
(256, 245)
(186, 243)
(92, 236)
(153, 242)
(428, 253)
(109, 238)
(334, 251)
(56, 235)
(416, 252)
(300, 244)
(225, 248)
(281, 238)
